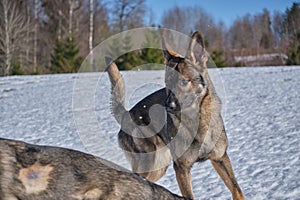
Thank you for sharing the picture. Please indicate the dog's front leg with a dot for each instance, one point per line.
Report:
(184, 180)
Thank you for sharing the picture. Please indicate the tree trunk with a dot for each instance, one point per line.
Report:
(35, 36)
(91, 33)
(71, 10)
(7, 39)
(27, 32)
(59, 25)
(12, 34)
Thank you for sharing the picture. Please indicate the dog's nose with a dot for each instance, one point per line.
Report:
(172, 103)
(171, 106)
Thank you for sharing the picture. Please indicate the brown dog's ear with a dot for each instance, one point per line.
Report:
(168, 53)
(196, 51)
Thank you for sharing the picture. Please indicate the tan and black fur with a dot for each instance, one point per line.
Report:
(194, 130)
(32, 172)
(141, 136)
(194, 116)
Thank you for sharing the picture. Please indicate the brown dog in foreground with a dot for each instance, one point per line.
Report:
(32, 172)
(193, 130)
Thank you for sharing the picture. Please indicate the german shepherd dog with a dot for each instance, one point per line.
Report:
(194, 112)
(143, 128)
(32, 172)
(194, 130)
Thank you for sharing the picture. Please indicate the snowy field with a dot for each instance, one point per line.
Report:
(262, 117)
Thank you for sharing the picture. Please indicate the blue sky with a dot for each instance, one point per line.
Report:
(226, 10)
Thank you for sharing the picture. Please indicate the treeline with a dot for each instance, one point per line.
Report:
(261, 39)
(53, 36)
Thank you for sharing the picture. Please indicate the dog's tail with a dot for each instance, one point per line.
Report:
(117, 90)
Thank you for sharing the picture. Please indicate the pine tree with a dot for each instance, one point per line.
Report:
(57, 58)
(218, 58)
(292, 22)
(152, 55)
(294, 53)
(72, 60)
(128, 59)
(65, 57)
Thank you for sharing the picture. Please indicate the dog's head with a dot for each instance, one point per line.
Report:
(185, 84)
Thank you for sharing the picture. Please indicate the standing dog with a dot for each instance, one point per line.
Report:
(142, 128)
(32, 172)
(194, 117)
(194, 129)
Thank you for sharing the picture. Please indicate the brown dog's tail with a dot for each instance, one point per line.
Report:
(117, 90)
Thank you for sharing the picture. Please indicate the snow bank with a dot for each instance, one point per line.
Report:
(261, 117)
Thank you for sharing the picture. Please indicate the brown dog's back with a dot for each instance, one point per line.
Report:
(41, 172)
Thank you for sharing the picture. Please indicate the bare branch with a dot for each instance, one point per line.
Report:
(13, 32)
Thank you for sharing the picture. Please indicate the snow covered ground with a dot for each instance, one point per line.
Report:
(262, 118)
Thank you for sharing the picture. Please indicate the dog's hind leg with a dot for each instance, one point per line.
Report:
(224, 169)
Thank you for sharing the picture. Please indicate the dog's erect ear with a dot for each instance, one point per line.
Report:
(168, 53)
(196, 51)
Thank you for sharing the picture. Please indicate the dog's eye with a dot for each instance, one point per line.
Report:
(183, 82)
(199, 80)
